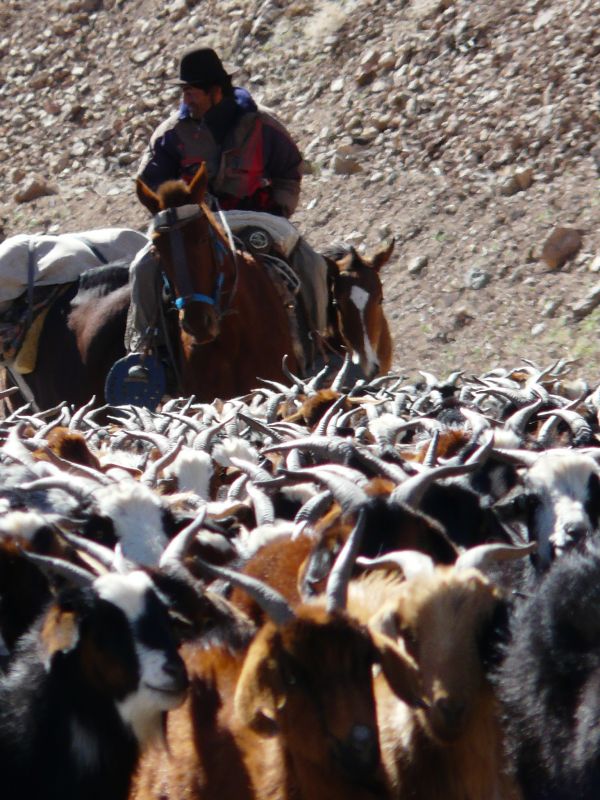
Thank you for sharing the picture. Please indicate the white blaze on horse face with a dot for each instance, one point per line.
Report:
(368, 362)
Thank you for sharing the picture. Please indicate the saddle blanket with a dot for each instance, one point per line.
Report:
(281, 230)
(62, 258)
(22, 325)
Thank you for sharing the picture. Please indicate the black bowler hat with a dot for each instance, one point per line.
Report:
(202, 68)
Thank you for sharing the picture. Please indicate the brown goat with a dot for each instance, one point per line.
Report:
(294, 716)
(453, 749)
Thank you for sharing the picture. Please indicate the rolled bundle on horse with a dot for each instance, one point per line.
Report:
(228, 321)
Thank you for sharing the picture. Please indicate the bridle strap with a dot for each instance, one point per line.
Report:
(232, 249)
(174, 218)
(171, 221)
(197, 297)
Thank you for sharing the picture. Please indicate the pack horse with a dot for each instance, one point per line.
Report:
(227, 325)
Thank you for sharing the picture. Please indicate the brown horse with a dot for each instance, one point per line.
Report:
(357, 298)
(230, 327)
(233, 324)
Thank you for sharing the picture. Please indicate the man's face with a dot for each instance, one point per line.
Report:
(198, 101)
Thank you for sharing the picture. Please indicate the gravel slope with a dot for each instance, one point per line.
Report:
(468, 131)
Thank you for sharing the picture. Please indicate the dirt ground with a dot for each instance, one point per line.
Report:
(466, 131)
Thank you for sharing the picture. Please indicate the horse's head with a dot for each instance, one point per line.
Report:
(192, 249)
(358, 295)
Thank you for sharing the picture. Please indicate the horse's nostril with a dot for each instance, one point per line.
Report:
(363, 744)
(451, 710)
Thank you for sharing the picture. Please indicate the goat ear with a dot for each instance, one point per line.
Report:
(199, 184)
(400, 670)
(60, 632)
(259, 694)
(147, 197)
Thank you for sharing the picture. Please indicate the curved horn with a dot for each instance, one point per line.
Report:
(54, 566)
(521, 458)
(253, 471)
(517, 422)
(99, 552)
(346, 492)
(311, 511)
(342, 374)
(432, 448)
(410, 562)
(486, 555)
(578, 425)
(150, 474)
(331, 448)
(411, 491)
(337, 583)
(178, 547)
(322, 426)
(294, 379)
(58, 482)
(264, 511)
(270, 600)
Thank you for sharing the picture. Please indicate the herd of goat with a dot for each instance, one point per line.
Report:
(383, 590)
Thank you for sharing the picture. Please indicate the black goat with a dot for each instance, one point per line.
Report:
(549, 684)
(87, 689)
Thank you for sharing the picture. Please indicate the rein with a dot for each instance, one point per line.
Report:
(171, 221)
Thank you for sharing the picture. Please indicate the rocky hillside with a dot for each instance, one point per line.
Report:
(467, 131)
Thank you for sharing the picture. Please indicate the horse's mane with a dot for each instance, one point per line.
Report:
(173, 193)
(336, 251)
(177, 193)
(105, 278)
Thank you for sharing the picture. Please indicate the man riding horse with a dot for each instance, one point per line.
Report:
(253, 165)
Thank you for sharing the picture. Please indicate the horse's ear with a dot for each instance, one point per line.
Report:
(199, 184)
(146, 196)
(381, 258)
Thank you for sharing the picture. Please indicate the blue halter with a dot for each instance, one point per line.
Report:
(170, 221)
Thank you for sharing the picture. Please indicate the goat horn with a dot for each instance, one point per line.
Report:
(176, 550)
(275, 606)
(380, 466)
(485, 555)
(518, 397)
(483, 452)
(79, 416)
(523, 458)
(411, 562)
(349, 494)
(99, 552)
(203, 440)
(294, 379)
(58, 482)
(150, 474)
(478, 422)
(579, 427)
(253, 471)
(517, 422)
(338, 382)
(311, 511)
(75, 575)
(432, 448)
(259, 427)
(323, 425)
(319, 445)
(264, 510)
(337, 583)
(411, 491)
